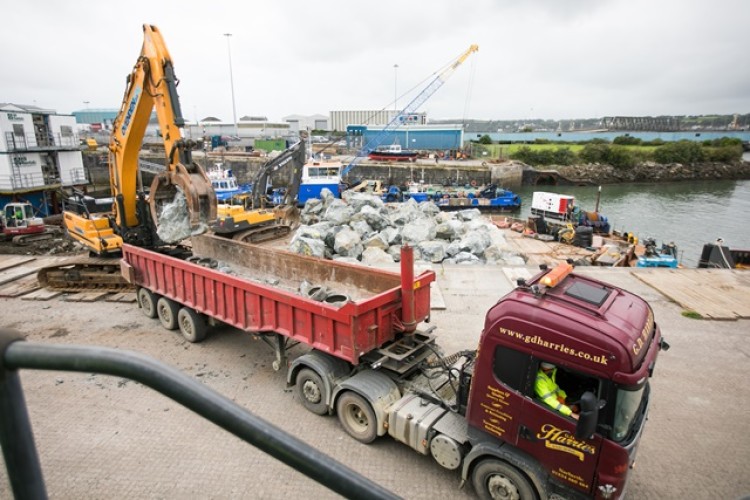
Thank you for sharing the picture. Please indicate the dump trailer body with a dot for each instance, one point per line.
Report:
(256, 289)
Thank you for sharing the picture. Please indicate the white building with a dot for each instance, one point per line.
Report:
(303, 122)
(39, 152)
(342, 119)
(247, 127)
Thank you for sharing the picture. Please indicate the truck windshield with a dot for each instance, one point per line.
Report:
(627, 411)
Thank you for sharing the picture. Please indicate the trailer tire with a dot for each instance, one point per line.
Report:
(357, 417)
(147, 302)
(498, 479)
(312, 391)
(192, 325)
(167, 311)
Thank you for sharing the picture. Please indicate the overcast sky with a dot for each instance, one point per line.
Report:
(554, 59)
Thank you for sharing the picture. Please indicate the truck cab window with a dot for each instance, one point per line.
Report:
(511, 368)
(573, 383)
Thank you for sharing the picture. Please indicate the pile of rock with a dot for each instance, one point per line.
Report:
(361, 228)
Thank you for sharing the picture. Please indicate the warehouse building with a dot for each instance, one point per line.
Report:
(416, 137)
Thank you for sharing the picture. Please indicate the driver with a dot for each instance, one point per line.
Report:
(548, 391)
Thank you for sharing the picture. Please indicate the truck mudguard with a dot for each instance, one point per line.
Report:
(331, 370)
(375, 387)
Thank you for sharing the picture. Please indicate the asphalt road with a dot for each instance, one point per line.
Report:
(100, 436)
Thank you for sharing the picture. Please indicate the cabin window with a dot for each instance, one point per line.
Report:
(511, 367)
(573, 383)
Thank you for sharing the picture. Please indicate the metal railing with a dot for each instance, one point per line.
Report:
(17, 440)
(34, 142)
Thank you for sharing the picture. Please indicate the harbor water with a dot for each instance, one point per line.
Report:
(689, 214)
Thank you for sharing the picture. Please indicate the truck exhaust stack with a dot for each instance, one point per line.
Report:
(407, 289)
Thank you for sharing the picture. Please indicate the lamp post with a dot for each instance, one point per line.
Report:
(231, 82)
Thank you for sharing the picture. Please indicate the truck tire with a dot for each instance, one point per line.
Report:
(167, 311)
(357, 417)
(312, 392)
(192, 325)
(147, 302)
(498, 479)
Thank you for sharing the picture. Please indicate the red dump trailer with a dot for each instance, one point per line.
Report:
(258, 290)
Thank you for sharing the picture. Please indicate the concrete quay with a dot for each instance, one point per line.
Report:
(100, 436)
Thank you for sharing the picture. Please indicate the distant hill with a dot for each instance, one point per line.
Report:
(633, 123)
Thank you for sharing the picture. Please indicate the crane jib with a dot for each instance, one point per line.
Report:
(131, 110)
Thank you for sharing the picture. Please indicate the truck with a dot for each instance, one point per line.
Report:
(371, 364)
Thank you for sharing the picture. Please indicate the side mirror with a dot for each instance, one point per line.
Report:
(588, 417)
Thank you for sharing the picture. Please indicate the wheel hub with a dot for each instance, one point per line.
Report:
(311, 391)
(502, 488)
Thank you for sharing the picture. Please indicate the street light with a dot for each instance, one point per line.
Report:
(86, 103)
(231, 82)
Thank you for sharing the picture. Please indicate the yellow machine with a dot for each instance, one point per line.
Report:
(253, 222)
(134, 218)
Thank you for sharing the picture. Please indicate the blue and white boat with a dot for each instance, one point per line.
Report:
(225, 184)
(317, 175)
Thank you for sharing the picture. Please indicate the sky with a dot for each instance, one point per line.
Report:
(549, 59)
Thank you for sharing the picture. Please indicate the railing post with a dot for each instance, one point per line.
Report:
(16, 438)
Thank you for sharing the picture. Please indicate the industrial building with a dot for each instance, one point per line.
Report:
(40, 152)
(304, 122)
(416, 137)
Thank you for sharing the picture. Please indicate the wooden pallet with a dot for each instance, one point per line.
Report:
(713, 293)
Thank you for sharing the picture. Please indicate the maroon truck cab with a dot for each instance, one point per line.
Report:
(604, 343)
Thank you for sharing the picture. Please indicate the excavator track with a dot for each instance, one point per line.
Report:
(265, 233)
(84, 274)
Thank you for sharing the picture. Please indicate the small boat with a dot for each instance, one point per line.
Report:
(718, 256)
(317, 175)
(392, 153)
(225, 184)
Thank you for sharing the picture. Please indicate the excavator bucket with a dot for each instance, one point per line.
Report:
(196, 187)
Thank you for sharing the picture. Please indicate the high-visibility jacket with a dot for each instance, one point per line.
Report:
(548, 391)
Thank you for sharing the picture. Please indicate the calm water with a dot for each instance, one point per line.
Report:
(687, 213)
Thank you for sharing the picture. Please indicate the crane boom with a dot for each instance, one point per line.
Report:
(413, 106)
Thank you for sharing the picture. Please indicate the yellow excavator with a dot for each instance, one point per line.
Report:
(256, 220)
(182, 189)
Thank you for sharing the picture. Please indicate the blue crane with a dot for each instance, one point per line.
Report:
(410, 108)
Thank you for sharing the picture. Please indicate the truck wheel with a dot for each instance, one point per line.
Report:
(147, 302)
(312, 391)
(495, 479)
(192, 325)
(167, 311)
(357, 417)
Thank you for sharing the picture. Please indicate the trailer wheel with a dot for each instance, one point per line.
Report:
(495, 479)
(357, 417)
(192, 325)
(167, 311)
(312, 391)
(147, 302)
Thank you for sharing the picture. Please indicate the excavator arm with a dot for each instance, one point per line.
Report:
(152, 84)
(296, 154)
